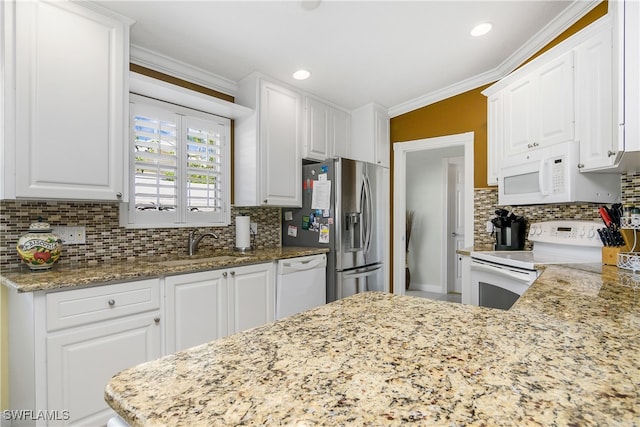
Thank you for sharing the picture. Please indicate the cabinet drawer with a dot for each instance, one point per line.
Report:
(81, 306)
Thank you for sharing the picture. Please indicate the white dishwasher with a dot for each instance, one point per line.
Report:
(301, 284)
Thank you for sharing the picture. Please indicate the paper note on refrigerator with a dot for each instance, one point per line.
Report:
(321, 198)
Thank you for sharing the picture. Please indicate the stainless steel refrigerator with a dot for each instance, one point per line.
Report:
(341, 210)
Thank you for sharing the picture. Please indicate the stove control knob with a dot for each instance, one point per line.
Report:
(539, 231)
(582, 232)
(592, 233)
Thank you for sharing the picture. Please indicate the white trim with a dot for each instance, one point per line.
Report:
(400, 194)
(444, 264)
(167, 92)
(563, 21)
(167, 65)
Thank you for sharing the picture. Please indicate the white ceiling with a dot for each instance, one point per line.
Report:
(400, 54)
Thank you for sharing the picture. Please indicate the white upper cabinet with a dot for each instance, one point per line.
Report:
(538, 107)
(318, 144)
(626, 16)
(595, 128)
(341, 133)
(326, 131)
(370, 135)
(268, 160)
(495, 145)
(67, 137)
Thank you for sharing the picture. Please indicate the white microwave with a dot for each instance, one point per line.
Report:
(552, 175)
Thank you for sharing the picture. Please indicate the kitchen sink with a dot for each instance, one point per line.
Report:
(218, 258)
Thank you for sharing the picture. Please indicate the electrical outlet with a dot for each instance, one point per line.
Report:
(253, 227)
(71, 235)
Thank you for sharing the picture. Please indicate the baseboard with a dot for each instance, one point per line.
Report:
(425, 288)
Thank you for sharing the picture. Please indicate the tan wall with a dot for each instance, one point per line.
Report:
(467, 112)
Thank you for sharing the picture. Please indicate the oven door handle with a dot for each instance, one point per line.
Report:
(522, 277)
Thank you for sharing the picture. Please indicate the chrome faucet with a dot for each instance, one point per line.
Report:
(193, 241)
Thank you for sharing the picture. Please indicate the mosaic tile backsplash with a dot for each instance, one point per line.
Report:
(107, 241)
(486, 202)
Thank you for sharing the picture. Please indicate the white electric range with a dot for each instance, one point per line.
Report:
(498, 278)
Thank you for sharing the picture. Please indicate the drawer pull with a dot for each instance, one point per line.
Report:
(157, 320)
(224, 274)
(233, 273)
(112, 302)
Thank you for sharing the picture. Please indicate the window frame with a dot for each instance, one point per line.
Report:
(133, 218)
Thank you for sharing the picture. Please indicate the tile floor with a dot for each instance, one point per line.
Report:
(451, 297)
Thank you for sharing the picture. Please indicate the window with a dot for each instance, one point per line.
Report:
(179, 166)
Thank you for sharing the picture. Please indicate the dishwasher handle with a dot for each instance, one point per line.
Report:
(291, 266)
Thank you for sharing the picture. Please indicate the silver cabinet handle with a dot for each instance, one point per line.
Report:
(112, 302)
(580, 165)
(119, 195)
(157, 320)
(233, 273)
(535, 144)
(611, 153)
(224, 274)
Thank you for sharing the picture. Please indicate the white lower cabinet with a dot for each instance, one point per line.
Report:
(204, 306)
(81, 361)
(65, 346)
(252, 297)
(196, 309)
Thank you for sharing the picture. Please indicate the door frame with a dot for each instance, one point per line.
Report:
(400, 152)
(447, 242)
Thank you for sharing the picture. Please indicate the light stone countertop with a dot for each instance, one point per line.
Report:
(25, 280)
(567, 353)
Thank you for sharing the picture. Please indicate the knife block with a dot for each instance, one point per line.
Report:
(610, 253)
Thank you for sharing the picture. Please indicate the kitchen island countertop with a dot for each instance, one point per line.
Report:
(62, 277)
(567, 353)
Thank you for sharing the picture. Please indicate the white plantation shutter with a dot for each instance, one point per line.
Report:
(206, 149)
(180, 172)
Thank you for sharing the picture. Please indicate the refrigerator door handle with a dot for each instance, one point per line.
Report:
(361, 272)
(368, 207)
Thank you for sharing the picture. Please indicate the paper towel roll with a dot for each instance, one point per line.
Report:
(243, 232)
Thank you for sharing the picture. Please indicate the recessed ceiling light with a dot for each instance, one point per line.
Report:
(481, 29)
(301, 75)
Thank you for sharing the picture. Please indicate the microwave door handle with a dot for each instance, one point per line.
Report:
(543, 181)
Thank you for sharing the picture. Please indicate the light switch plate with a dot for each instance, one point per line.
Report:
(253, 227)
(71, 235)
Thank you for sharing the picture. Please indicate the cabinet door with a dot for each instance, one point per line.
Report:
(494, 137)
(70, 102)
(281, 162)
(594, 97)
(81, 361)
(519, 116)
(370, 135)
(341, 133)
(381, 138)
(554, 109)
(318, 142)
(251, 297)
(196, 309)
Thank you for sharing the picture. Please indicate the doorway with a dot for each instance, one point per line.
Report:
(432, 198)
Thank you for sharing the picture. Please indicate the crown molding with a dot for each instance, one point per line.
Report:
(553, 29)
(164, 64)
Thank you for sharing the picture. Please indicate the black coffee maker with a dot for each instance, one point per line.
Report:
(509, 230)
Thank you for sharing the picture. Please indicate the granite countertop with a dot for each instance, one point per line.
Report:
(567, 353)
(25, 280)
